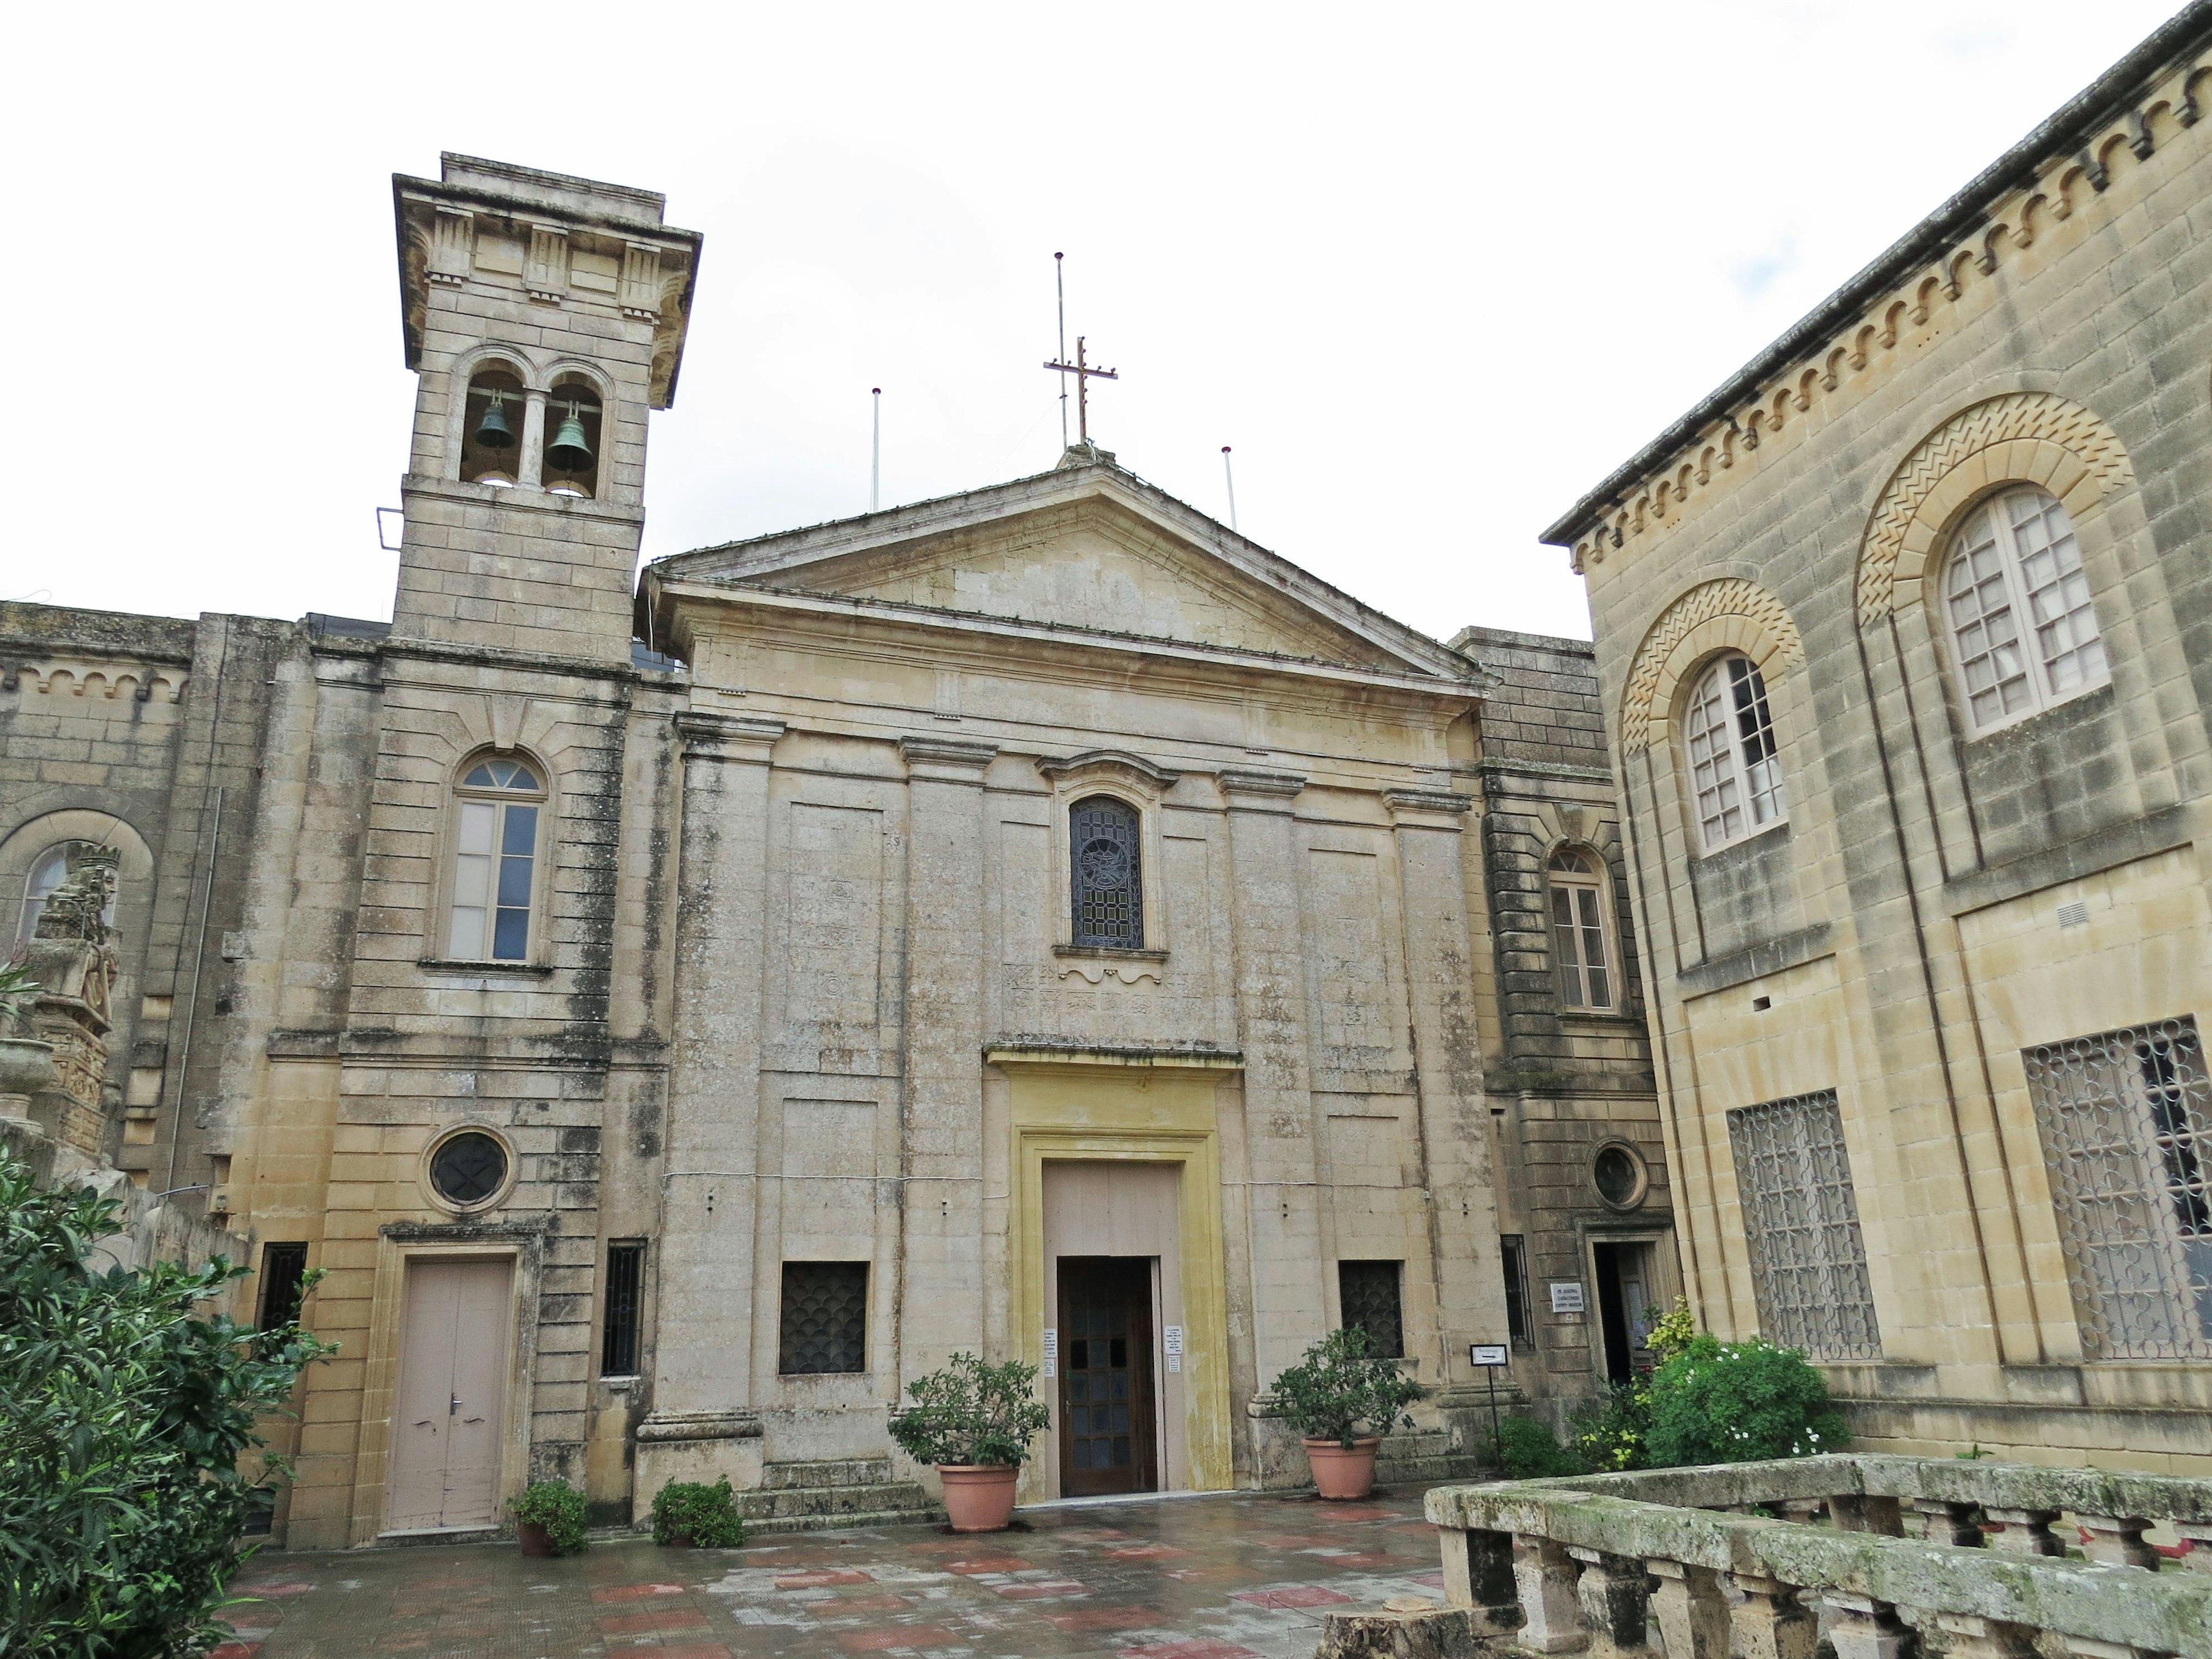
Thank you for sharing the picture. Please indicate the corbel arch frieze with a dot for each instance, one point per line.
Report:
(2023, 437)
(1729, 614)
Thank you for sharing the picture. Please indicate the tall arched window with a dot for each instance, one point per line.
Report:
(2023, 628)
(1578, 907)
(496, 860)
(1105, 870)
(1733, 771)
(48, 870)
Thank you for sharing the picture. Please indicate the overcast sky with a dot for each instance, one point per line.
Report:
(1431, 271)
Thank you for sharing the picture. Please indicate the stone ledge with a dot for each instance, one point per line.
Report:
(2086, 855)
(1756, 961)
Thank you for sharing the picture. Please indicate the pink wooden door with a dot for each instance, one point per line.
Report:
(452, 1395)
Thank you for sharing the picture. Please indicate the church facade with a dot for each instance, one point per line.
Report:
(1904, 640)
(674, 1013)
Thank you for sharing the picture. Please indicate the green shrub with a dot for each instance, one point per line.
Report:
(559, 1508)
(972, 1414)
(686, 1511)
(121, 1419)
(1612, 1434)
(1337, 1387)
(1739, 1403)
(1528, 1452)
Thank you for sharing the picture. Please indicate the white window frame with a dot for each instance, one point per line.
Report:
(477, 862)
(1734, 793)
(1586, 890)
(2011, 589)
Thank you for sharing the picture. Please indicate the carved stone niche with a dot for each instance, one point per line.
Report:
(71, 956)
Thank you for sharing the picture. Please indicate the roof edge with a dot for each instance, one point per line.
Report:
(2096, 105)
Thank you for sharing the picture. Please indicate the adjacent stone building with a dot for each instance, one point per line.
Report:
(676, 1013)
(1906, 639)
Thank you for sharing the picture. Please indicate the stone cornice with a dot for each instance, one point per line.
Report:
(2049, 185)
(709, 736)
(1091, 762)
(946, 760)
(1437, 809)
(1260, 789)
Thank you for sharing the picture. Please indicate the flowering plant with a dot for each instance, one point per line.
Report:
(1740, 1402)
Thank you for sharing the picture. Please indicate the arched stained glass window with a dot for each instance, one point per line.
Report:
(1105, 869)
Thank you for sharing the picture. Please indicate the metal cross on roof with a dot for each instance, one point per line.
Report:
(1084, 375)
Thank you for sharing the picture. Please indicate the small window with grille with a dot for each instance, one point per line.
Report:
(1105, 870)
(1801, 1223)
(624, 1299)
(284, 1283)
(1513, 1254)
(2126, 1121)
(825, 1317)
(1369, 1292)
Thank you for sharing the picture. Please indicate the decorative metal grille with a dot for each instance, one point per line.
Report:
(825, 1317)
(2126, 1119)
(1369, 1290)
(1514, 1258)
(625, 1282)
(469, 1169)
(1104, 866)
(1801, 1223)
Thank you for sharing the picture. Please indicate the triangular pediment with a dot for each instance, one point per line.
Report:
(1090, 548)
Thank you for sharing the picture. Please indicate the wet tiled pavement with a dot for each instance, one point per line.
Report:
(1217, 1577)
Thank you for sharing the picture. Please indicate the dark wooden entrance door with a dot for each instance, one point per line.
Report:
(1106, 1440)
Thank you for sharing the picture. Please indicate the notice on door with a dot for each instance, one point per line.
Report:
(1171, 1340)
(1052, 1353)
(1567, 1298)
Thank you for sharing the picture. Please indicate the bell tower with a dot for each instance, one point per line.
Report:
(545, 317)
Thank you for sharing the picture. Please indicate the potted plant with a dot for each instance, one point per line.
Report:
(974, 1422)
(549, 1518)
(1328, 1395)
(687, 1512)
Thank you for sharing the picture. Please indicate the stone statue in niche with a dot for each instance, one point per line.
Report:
(71, 955)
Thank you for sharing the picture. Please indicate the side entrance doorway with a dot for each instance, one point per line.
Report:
(1626, 1307)
(1107, 1405)
(451, 1406)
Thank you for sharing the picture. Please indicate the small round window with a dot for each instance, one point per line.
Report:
(1619, 1177)
(469, 1169)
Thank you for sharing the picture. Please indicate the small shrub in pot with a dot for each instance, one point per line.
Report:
(549, 1515)
(1336, 1391)
(974, 1422)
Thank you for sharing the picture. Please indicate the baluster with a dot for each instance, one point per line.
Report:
(1770, 1622)
(1973, 1638)
(2198, 1534)
(1478, 1577)
(1690, 1610)
(1544, 1574)
(1615, 1594)
(2025, 1532)
(1864, 1628)
(1944, 1522)
(2117, 1542)
(1803, 1511)
(1864, 1512)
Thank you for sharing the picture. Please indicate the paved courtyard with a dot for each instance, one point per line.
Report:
(1214, 1578)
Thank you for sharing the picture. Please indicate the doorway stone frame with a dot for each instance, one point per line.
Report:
(521, 1242)
(1667, 1268)
(1072, 1104)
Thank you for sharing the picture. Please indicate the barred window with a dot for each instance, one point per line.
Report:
(1578, 907)
(625, 1308)
(1369, 1292)
(1513, 1255)
(1104, 867)
(2023, 626)
(1801, 1223)
(1734, 772)
(283, 1284)
(825, 1317)
(2126, 1120)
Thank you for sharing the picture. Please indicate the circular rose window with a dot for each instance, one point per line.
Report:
(469, 1169)
(1619, 1175)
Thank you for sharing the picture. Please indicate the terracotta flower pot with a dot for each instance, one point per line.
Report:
(1339, 1474)
(979, 1498)
(536, 1540)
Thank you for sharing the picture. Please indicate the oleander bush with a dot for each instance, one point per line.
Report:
(1337, 1390)
(559, 1508)
(1740, 1402)
(123, 1412)
(972, 1414)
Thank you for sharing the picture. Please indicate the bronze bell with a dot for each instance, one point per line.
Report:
(569, 451)
(493, 432)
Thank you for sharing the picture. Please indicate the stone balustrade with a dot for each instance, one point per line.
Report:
(1872, 1556)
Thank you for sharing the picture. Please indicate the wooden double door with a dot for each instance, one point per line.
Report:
(1107, 1410)
(448, 1420)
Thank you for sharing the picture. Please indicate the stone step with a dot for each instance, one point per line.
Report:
(930, 1516)
(828, 1472)
(1425, 1458)
(830, 1505)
